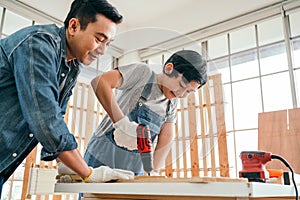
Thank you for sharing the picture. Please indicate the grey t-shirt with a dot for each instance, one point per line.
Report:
(135, 77)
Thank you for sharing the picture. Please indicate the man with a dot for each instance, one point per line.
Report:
(38, 69)
(143, 98)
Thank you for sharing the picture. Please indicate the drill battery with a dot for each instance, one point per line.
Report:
(144, 144)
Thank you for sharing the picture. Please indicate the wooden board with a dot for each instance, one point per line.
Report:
(160, 179)
(279, 133)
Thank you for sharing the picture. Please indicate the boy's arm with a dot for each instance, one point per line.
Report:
(103, 86)
(164, 143)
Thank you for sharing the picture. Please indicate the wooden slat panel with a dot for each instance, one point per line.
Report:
(184, 148)
(193, 135)
(80, 116)
(221, 128)
(177, 170)
(211, 136)
(75, 100)
(30, 160)
(168, 168)
(89, 116)
(203, 130)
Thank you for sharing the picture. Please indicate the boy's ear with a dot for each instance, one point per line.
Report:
(169, 67)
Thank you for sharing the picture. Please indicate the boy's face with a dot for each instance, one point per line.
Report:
(87, 45)
(175, 87)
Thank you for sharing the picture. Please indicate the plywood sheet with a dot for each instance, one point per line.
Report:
(279, 133)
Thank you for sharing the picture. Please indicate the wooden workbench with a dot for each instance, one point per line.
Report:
(186, 189)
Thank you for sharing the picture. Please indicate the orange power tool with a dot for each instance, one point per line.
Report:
(144, 144)
(253, 163)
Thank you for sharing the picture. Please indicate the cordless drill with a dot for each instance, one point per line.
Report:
(144, 144)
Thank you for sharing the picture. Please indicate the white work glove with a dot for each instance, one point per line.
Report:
(154, 173)
(105, 173)
(102, 174)
(64, 173)
(125, 133)
(63, 169)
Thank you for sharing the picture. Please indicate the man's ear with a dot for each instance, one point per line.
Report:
(73, 25)
(169, 67)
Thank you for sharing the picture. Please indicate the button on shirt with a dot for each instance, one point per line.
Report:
(32, 68)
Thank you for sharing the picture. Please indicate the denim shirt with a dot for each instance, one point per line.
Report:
(36, 83)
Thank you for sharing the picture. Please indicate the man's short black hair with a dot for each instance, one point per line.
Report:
(86, 10)
(190, 64)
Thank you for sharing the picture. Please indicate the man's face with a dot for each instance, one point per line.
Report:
(87, 45)
(175, 87)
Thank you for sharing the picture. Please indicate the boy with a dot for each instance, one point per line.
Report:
(143, 98)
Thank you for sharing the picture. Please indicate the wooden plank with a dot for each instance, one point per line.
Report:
(89, 116)
(221, 128)
(211, 136)
(165, 179)
(168, 168)
(161, 179)
(80, 116)
(30, 161)
(75, 100)
(272, 124)
(152, 197)
(193, 135)
(203, 129)
(184, 148)
(177, 153)
(294, 121)
(66, 116)
(271, 127)
(57, 197)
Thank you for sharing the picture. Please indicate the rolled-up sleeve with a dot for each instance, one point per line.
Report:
(38, 93)
(171, 115)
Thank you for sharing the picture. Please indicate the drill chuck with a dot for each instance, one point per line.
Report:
(144, 144)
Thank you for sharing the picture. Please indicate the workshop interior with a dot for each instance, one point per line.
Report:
(241, 127)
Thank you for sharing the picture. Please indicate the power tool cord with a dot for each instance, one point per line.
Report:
(292, 171)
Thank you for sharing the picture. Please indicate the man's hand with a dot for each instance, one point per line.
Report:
(125, 133)
(102, 174)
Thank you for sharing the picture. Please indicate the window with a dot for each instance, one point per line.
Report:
(156, 62)
(270, 31)
(244, 65)
(273, 58)
(219, 66)
(277, 92)
(295, 23)
(296, 52)
(247, 103)
(14, 22)
(242, 39)
(217, 46)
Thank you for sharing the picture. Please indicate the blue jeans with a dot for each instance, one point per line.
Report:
(1, 184)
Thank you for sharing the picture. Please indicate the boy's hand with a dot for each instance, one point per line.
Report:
(125, 133)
